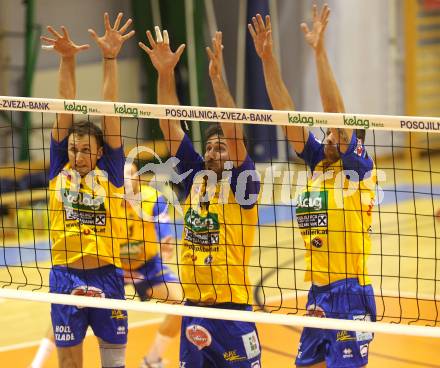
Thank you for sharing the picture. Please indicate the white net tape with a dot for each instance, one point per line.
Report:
(213, 114)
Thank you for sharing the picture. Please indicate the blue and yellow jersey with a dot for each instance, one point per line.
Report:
(217, 236)
(141, 235)
(85, 212)
(334, 213)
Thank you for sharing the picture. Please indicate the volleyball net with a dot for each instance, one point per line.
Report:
(403, 259)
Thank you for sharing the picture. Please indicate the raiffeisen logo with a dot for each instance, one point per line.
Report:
(354, 121)
(75, 107)
(304, 120)
(123, 109)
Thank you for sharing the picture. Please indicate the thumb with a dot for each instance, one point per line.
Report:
(305, 28)
(180, 50)
(93, 34)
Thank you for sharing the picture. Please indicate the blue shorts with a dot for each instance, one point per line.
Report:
(344, 299)
(152, 273)
(219, 343)
(70, 323)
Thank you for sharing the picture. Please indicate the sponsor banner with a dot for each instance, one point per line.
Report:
(302, 119)
(213, 114)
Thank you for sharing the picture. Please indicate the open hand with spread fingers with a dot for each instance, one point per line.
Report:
(62, 44)
(163, 59)
(114, 37)
(215, 55)
(261, 33)
(315, 36)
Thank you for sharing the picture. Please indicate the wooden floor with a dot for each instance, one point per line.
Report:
(404, 266)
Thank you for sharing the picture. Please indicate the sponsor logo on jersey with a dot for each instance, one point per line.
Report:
(347, 353)
(199, 336)
(118, 314)
(363, 349)
(317, 242)
(64, 333)
(363, 336)
(312, 202)
(203, 230)
(89, 291)
(344, 336)
(360, 150)
(315, 311)
(232, 356)
(251, 345)
(199, 223)
(121, 330)
(312, 220)
(83, 207)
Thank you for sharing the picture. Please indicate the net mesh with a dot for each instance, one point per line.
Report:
(404, 256)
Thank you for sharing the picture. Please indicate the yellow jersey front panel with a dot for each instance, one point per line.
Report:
(334, 214)
(85, 212)
(217, 236)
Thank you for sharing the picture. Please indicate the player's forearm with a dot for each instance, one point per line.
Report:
(167, 95)
(67, 80)
(281, 100)
(166, 89)
(66, 90)
(222, 94)
(111, 124)
(279, 96)
(224, 98)
(331, 97)
(110, 83)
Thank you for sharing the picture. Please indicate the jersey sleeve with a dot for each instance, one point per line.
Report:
(313, 152)
(59, 156)
(189, 160)
(356, 158)
(112, 162)
(163, 226)
(251, 186)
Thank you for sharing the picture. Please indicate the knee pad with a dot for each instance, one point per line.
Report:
(112, 355)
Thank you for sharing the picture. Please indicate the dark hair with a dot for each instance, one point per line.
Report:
(216, 129)
(213, 129)
(84, 127)
(360, 134)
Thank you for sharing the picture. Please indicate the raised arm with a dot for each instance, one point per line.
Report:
(164, 60)
(331, 97)
(279, 96)
(232, 132)
(110, 45)
(67, 49)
